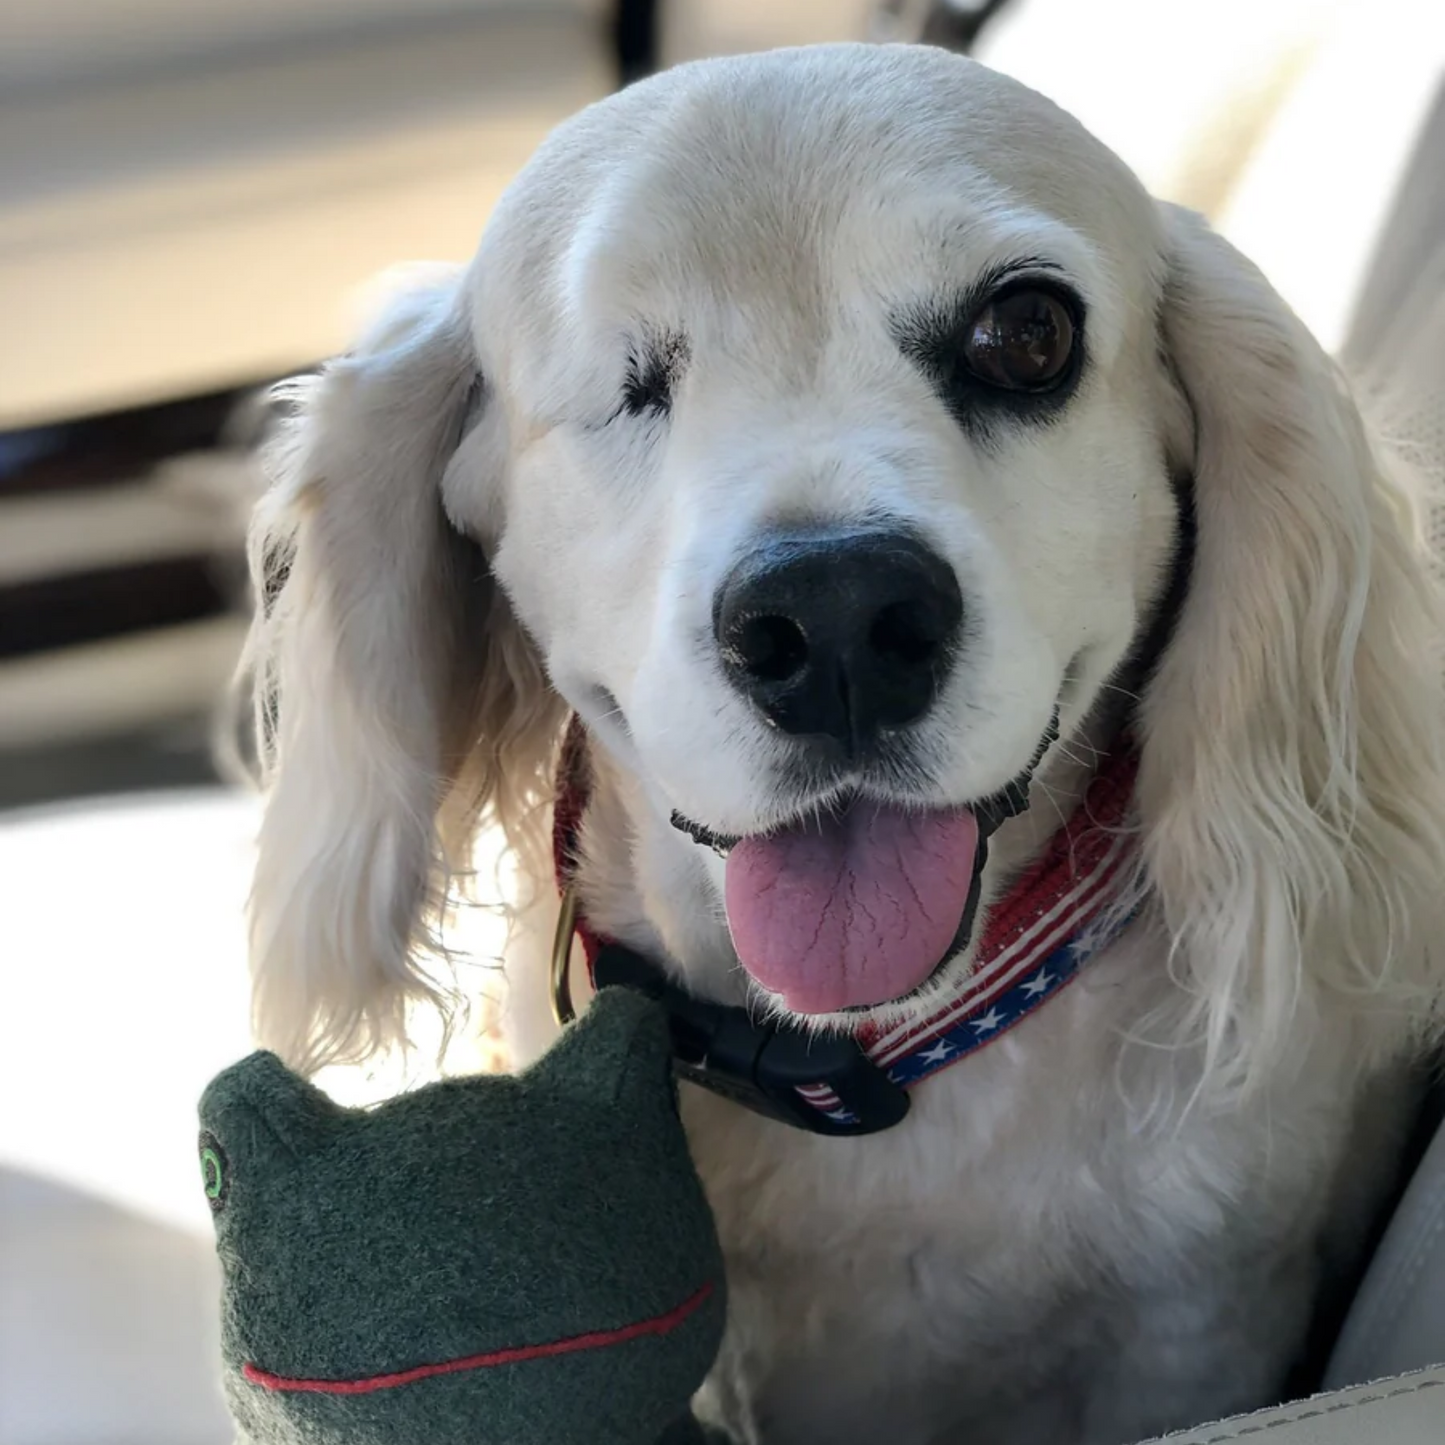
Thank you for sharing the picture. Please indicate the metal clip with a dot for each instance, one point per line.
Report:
(562, 1008)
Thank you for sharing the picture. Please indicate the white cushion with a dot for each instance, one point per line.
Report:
(1406, 1411)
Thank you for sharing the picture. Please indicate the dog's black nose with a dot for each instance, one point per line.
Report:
(837, 635)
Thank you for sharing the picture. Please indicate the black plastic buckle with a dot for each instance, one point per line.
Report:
(761, 1066)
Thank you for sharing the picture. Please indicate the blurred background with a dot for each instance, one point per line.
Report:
(193, 195)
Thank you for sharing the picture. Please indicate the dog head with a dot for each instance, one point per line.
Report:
(823, 428)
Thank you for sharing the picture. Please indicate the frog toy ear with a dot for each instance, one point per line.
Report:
(618, 1053)
(253, 1111)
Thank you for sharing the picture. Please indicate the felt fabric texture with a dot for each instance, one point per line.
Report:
(468, 1219)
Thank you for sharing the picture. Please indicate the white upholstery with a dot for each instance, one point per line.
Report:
(1409, 1410)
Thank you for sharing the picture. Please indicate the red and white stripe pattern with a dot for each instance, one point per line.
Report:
(1038, 937)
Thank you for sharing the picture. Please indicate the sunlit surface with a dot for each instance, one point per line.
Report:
(126, 990)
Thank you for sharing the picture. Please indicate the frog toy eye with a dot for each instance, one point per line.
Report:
(215, 1174)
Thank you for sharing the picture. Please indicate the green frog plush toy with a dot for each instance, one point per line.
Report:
(502, 1260)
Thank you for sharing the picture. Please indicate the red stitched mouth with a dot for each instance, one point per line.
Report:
(658, 1325)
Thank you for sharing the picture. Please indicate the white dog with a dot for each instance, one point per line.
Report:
(851, 443)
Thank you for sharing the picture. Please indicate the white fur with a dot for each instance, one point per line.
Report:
(1115, 1220)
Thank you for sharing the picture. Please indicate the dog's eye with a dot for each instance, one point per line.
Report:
(1021, 340)
(1011, 350)
(651, 374)
(648, 388)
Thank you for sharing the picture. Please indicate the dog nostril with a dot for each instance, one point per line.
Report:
(771, 649)
(905, 632)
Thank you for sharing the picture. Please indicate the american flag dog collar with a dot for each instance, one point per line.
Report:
(1063, 911)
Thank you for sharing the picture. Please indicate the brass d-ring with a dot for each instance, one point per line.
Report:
(562, 1009)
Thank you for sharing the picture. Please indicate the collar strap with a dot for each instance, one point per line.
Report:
(1053, 920)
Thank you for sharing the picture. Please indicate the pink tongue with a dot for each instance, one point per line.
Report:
(854, 910)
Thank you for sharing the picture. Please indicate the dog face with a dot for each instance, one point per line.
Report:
(832, 457)
(886, 374)
(814, 424)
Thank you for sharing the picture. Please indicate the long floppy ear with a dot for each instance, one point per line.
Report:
(1293, 777)
(396, 697)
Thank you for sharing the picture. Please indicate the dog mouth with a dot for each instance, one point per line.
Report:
(861, 903)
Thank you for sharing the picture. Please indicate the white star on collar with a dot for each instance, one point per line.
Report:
(938, 1053)
(989, 1022)
(839, 1116)
(1037, 985)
